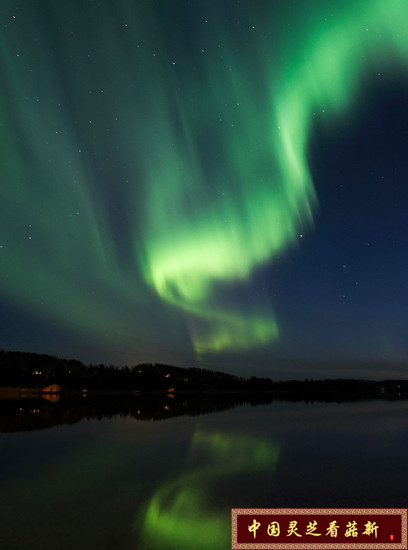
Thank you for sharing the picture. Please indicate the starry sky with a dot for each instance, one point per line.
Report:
(206, 183)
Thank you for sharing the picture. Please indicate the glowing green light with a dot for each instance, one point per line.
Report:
(125, 178)
(180, 513)
(202, 237)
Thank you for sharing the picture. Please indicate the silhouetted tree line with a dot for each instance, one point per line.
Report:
(30, 370)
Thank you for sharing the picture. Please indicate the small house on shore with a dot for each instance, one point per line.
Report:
(54, 388)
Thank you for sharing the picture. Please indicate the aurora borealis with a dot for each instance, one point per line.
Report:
(173, 183)
(179, 513)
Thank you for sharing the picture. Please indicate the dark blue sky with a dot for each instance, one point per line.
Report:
(143, 147)
(344, 293)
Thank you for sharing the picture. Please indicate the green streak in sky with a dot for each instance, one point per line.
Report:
(261, 193)
(142, 168)
(202, 238)
(181, 513)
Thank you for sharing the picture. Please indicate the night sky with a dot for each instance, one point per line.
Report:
(214, 183)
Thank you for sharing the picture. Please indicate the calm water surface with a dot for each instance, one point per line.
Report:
(122, 483)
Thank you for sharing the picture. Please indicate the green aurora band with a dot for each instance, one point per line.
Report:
(182, 511)
(211, 159)
(225, 239)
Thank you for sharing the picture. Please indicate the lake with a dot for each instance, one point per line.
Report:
(126, 474)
